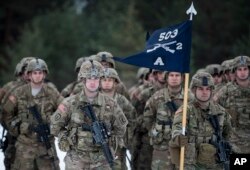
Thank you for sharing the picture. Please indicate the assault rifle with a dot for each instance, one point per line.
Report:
(43, 131)
(100, 133)
(222, 146)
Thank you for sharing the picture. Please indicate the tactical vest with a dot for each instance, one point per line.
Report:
(45, 106)
(199, 132)
(160, 133)
(238, 104)
(81, 139)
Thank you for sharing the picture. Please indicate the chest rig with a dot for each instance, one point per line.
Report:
(199, 127)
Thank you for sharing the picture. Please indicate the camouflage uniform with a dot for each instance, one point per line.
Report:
(199, 153)
(9, 153)
(142, 150)
(236, 99)
(68, 121)
(67, 91)
(227, 68)
(158, 117)
(129, 112)
(216, 71)
(106, 57)
(31, 152)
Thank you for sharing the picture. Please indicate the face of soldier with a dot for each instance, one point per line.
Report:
(26, 76)
(232, 76)
(217, 78)
(160, 76)
(151, 77)
(107, 84)
(242, 73)
(92, 84)
(174, 79)
(203, 93)
(226, 75)
(37, 77)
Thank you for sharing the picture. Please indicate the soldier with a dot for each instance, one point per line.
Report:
(106, 59)
(68, 90)
(148, 80)
(226, 69)
(21, 79)
(35, 147)
(158, 118)
(235, 97)
(139, 77)
(73, 122)
(216, 71)
(109, 81)
(202, 115)
(142, 152)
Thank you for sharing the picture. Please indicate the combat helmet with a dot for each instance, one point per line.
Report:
(142, 72)
(90, 69)
(227, 65)
(37, 64)
(79, 62)
(241, 61)
(214, 69)
(202, 79)
(22, 66)
(112, 73)
(106, 57)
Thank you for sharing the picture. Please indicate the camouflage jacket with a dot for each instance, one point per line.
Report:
(130, 114)
(5, 92)
(68, 90)
(158, 116)
(69, 119)
(236, 100)
(199, 131)
(21, 121)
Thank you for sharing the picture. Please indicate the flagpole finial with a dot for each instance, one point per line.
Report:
(191, 10)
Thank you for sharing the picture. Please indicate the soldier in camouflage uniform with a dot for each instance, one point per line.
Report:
(142, 153)
(139, 77)
(109, 80)
(216, 71)
(72, 124)
(199, 152)
(235, 97)
(31, 152)
(68, 90)
(21, 79)
(226, 66)
(106, 59)
(147, 81)
(158, 118)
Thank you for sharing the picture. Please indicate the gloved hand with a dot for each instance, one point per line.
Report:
(180, 140)
(63, 143)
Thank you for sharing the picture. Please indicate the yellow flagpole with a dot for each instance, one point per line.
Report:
(184, 120)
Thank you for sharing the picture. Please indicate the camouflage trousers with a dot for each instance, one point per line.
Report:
(9, 153)
(161, 160)
(34, 156)
(141, 153)
(120, 160)
(79, 160)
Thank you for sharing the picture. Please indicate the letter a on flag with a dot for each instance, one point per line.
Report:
(166, 49)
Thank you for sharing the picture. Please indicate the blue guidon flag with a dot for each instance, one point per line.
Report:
(166, 49)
